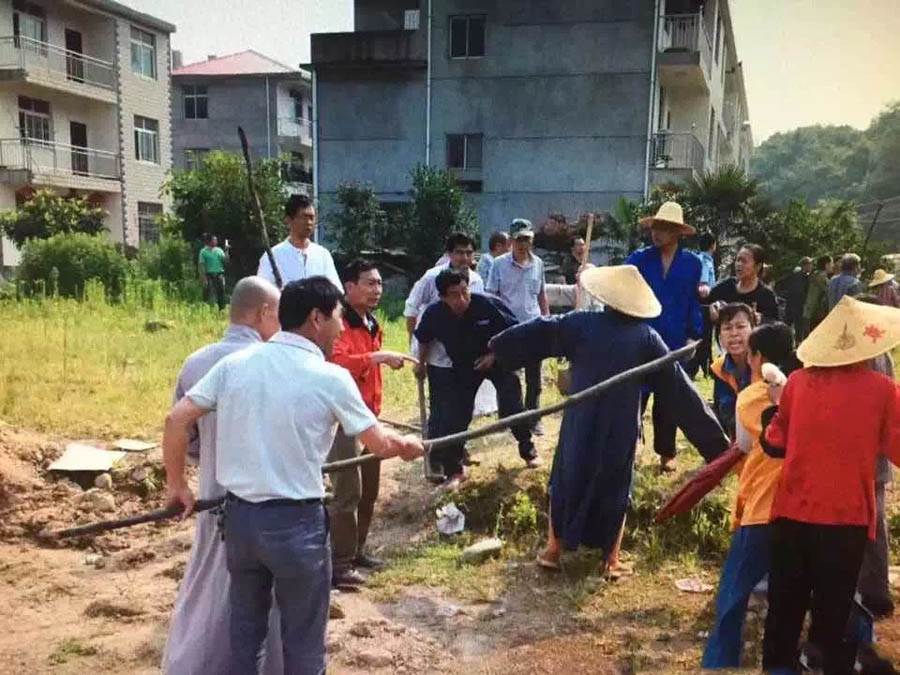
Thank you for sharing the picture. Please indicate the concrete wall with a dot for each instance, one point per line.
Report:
(9, 254)
(233, 102)
(561, 98)
(148, 98)
(381, 14)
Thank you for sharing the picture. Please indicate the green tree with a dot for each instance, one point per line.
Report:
(438, 208)
(358, 222)
(214, 198)
(813, 163)
(48, 213)
(883, 137)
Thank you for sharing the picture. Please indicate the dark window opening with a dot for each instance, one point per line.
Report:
(464, 151)
(467, 36)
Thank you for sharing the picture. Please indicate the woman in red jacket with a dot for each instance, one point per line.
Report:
(835, 416)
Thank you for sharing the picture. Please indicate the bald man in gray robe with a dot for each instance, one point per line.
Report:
(198, 641)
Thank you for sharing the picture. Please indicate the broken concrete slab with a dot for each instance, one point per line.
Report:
(132, 445)
(82, 457)
(482, 550)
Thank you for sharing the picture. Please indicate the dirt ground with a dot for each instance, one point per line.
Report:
(101, 605)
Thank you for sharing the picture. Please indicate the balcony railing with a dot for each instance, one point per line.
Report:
(294, 127)
(686, 32)
(676, 151)
(34, 56)
(47, 158)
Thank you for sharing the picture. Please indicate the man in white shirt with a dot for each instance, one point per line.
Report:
(298, 257)
(278, 404)
(198, 640)
(460, 249)
(517, 278)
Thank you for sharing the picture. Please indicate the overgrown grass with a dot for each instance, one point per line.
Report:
(71, 648)
(92, 368)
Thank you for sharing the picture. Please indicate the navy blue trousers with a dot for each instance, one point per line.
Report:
(747, 563)
(284, 545)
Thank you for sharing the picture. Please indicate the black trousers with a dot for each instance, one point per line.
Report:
(457, 404)
(664, 425)
(215, 287)
(815, 567)
(703, 355)
(533, 385)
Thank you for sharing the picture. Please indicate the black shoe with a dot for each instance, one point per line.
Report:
(368, 562)
(348, 579)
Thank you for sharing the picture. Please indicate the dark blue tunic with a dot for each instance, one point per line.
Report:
(591, 477)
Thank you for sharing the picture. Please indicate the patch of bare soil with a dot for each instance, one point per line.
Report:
(102, 604)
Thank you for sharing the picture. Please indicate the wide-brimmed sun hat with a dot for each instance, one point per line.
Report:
(880, 277)
(622, 288)
(670, 213)
(853, 331)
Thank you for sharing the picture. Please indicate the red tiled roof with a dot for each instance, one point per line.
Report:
(243, 63)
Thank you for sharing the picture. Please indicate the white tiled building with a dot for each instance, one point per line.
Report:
(84, 90)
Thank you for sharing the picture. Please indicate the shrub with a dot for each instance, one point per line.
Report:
(47, 214)
(65, 262)
(358, 222)
(167, 260)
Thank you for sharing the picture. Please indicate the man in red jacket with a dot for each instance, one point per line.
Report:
(358, 349)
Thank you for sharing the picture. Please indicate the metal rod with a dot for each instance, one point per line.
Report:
(254, 199)
(401, 425)
(453, 439)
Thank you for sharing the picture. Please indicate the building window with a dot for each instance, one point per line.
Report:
(297, 101)
(34, 120)
(146, 139)
(148, 214)
(196, 102)
(193, 158)
(464, 151)
(30, 23)
(467, 36)
(712, 133)
(143, 53)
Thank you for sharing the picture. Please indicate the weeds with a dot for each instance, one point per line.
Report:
(69, 648)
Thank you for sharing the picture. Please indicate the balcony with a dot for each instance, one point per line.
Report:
(44, 64)
(685, 50)
(676, 157)
(295, 127)
(24, 160)
(370, 49)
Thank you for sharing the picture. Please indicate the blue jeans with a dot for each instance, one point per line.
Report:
(746, 565)
(284, 544)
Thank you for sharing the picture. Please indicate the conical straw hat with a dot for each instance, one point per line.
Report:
(880, 277)
(853, 331)
(672, 214)
(623, 288)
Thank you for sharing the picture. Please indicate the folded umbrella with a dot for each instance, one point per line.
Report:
(703, 482)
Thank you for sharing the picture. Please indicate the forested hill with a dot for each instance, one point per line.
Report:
(840, 162)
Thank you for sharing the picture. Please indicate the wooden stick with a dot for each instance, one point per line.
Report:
(453, 439)
(254, 198)
(401, 425)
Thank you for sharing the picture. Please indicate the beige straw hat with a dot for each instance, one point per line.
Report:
(880, 277)
(670, 213)
(853, 331)
(623, 288)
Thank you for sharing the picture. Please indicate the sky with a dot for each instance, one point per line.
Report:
(805, 61)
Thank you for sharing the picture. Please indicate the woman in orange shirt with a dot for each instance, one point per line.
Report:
(748, 558)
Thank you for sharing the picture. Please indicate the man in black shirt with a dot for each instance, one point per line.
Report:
(465, 323)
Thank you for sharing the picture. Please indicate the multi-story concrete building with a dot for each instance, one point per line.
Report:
(538, 107)
(270, 100)
(84, 88)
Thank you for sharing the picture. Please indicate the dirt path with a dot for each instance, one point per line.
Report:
(102, 606)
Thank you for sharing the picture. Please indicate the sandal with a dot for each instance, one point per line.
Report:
(548, 564)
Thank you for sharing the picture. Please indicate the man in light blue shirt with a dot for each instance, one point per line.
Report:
(498, 244)
(517, 278)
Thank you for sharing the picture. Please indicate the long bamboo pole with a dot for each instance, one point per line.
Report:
(254, 199)
(452, 439)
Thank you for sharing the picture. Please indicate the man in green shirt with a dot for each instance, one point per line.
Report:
(212, 270)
